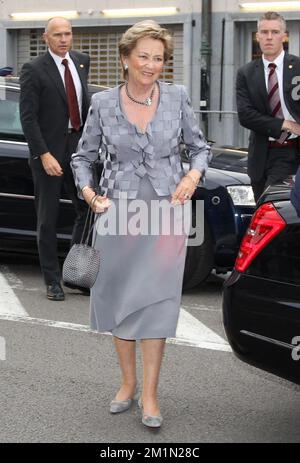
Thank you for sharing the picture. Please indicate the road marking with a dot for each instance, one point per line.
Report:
(14, 281)
(203, 337)
(190, 331)
(11, 278)
(206, 308)
(44, 322)
(9, 303)
(2, 348)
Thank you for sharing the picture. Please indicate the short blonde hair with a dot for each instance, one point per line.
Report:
(272, 15)
(140, 30)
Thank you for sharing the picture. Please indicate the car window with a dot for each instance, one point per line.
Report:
(229, 157)
(10, 124)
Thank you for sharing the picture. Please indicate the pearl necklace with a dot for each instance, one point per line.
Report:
(147, 102)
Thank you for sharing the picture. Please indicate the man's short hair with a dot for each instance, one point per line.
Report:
(272, 15)
(55, 17)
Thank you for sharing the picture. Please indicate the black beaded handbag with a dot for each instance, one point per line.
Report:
(82, 264)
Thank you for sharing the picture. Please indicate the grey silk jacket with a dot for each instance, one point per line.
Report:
(128, 154)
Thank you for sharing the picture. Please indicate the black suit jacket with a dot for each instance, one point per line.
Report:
(254, 110)
(43, 103)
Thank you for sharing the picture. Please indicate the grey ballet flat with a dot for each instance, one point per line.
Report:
(119, 406)
(149, 420)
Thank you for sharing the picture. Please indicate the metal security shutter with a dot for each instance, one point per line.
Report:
(174, 69)
(102, 46)
(30, 45)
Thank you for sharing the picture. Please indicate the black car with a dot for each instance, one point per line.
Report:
(227, 195)
(228, 208)
(261, 303)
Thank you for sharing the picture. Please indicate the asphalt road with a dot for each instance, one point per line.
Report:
(57, 377)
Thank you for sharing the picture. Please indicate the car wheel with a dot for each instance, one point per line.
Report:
(199, 261)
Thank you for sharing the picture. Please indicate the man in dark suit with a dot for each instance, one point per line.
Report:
(268, 105)
(53, 106)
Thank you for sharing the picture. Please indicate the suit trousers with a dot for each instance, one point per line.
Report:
(281, 163)
(47, 190)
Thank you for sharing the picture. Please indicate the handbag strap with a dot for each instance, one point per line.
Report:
(89, 226)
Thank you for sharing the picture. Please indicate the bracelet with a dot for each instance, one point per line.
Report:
(85, 187)
(193, 180)
(93, 200)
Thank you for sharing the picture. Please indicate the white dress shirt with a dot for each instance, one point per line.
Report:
(279, 71)
(75, 76)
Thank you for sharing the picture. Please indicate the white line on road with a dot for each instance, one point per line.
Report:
(207, 341)
(9, 303)
(190, 331)
(2, 348)
(206, 308)
(44, 322)
(14, 281)
(11, 278)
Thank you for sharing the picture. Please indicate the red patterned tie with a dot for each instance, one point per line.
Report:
(71, 97)
(274, 98)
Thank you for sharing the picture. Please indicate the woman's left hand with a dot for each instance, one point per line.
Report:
(185, 189)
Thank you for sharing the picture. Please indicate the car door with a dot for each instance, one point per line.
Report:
(17, 216)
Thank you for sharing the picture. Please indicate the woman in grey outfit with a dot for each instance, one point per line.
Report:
(139, 126)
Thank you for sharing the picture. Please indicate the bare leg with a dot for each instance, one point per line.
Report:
(126, 353)
(152, 353)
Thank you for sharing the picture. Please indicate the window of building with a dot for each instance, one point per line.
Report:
(102, 46)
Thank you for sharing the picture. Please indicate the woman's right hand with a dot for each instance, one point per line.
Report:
(98, 203)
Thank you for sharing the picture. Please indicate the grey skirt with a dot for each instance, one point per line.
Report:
(137, 293)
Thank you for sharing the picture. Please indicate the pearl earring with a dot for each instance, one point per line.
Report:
(125, 67)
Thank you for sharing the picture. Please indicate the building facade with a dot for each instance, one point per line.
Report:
(218, 32)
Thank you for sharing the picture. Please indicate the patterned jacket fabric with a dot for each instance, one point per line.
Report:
(128, 154)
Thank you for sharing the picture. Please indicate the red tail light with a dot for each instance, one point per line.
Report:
(265, 224)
